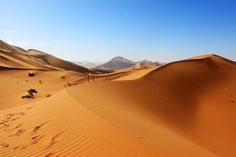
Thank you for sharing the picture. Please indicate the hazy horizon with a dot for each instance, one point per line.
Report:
(96, 31)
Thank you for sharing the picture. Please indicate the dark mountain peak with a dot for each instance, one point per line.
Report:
(121, 59)
(116, 63)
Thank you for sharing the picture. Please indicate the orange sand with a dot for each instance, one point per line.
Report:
(182, 109)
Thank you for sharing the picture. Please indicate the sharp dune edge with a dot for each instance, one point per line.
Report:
(181, 109)
(18, 58)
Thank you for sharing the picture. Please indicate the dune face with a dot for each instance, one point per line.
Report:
(50, 107)
(116, 64)
(56, 62)
(14, 57)
(5, 46)
(194, 98)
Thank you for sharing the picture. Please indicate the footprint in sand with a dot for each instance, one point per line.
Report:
(24, 147)
(54, 139)
(19, 125)
(5, 145)
(16, 147)
(22, 113)
(6, 125)
(12, 129)
(13, 119)
(19, 132)
(50, 155)
(36, 139)
(35, 130)
(48, 95)
(4, 121)
(10, 114)
(28, 108)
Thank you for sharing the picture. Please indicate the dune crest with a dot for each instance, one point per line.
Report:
(175, 96)
(51, 107)
(17, 58)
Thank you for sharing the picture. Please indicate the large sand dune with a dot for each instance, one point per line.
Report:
(193, 98)
(58, 63)
(18, 58)
(182, 109)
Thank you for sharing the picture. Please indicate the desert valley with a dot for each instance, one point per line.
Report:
(50, 107)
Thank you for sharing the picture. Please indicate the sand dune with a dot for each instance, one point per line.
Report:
(47, 59)
(16, 83)
(181, 109)
(74, 132)
(190, 98)
(133, 74)
(20, 61)
(145, 64)
(18, 58)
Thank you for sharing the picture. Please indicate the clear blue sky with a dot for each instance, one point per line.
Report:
(97, 30)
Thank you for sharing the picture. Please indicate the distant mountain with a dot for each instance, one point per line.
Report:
(86, 64)
(116, 63)
(15, 57)
(158, 63)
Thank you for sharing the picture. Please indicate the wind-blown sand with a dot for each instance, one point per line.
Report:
(182, 109)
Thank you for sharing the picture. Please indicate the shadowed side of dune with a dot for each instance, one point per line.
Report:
(175, 96)
(47, 59)
(15, 57)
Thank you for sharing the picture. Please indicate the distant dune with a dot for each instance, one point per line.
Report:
(14, 57)
(181, 109)
(45, 58)
(145, 64)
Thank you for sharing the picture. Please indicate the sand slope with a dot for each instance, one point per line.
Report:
(133, 74)
(54, 131)
(53, 61)
(182, 109)
(16, 83)
(18, 58)
(11, 60)
(194, 98)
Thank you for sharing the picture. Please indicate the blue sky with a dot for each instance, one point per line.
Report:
(96, 30)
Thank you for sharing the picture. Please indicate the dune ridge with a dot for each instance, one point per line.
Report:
(47, 59)
(181, 109)
(176, 106)
(15, 57)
